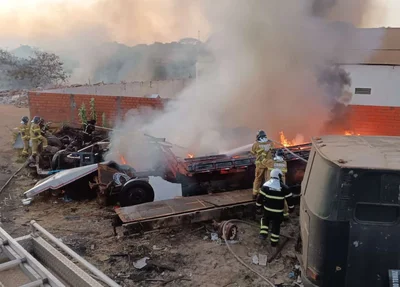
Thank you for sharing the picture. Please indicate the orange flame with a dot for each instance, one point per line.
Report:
(350, 133)
(284, 141)
(123, 161)
(189, 155)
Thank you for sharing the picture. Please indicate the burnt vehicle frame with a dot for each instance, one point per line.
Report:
(115, 183)
(350, 211)
(199, 175)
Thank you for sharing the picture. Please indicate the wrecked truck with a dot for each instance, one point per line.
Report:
(350, 212)
(109, 182)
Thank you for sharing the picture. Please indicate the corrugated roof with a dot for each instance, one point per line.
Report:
(371, 152)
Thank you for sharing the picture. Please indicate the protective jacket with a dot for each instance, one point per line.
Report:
(35, 131)
(279, 163)
(24, 130)
(262, 150)
(272, 197)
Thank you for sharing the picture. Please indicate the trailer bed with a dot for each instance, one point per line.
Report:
(181, 205)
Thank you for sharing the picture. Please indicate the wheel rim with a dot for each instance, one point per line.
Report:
(137, 195)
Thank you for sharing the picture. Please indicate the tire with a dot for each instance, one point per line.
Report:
(54, 141)
(136, 192)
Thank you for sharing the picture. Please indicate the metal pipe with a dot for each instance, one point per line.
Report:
(10, 264)
(32, 261)
(68, 250)
(36, 283)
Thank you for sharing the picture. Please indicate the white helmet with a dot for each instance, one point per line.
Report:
(276, 173)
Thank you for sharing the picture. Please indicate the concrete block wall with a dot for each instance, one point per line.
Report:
(57, 108)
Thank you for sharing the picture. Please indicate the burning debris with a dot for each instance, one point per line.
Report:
(287, 143)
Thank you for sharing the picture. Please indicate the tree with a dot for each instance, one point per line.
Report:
(40, 70)
(93, 113)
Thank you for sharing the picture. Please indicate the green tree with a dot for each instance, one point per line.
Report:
(93, 113)
(82, 114)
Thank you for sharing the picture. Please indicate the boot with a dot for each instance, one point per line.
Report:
(263, 237)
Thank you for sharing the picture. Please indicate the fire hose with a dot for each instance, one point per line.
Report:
(289, 151)
(237, 257)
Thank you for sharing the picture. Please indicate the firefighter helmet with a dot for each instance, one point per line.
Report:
(24, 120)
(276, 173)
(279, 152)
(36, 120)
(261, 134)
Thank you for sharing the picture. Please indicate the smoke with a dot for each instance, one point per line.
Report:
(77, 30)
(271, 70)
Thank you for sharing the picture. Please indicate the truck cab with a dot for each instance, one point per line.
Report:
(349, 211)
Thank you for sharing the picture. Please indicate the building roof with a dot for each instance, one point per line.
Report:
(381, 45)
(369, 152)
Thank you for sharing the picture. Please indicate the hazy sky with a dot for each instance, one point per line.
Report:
(126, 21)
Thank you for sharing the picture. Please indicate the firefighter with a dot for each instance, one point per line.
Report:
(36, 136)
(24, 131)
(280, 163)
(262, 150)
(271, 199)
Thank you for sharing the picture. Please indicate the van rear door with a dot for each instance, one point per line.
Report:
(374, 229)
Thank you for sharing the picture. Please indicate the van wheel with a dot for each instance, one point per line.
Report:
(136, 192)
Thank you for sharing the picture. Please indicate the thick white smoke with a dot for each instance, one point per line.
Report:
(266, 60)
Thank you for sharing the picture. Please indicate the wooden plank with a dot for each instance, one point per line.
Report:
(228, 198)
(241, 210)
(181, 205)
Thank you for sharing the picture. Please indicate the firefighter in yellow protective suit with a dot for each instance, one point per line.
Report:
(280, 163)
(262, 150)
(36, 136)
(24, 130)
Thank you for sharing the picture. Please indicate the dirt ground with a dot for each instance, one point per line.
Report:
(86, 228)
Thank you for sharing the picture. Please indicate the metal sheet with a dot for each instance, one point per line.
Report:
(61, 179)
(61, 265)
(18, 144)
(181, 205)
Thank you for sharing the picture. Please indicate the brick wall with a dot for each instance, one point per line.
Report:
(374, 120)
(59, 108)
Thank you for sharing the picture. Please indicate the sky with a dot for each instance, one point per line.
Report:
(126, 21)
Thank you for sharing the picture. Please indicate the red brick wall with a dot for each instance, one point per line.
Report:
(59, 108)
(375, 120)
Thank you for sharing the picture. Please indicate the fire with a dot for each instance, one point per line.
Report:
(123, 161)
(189, 155)
(284, 141)
(350, 133)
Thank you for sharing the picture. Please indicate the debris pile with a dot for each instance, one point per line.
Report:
(18, 98)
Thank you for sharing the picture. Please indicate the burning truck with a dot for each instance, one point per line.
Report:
(114, 183)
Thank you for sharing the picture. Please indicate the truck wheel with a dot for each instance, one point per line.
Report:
(136, 192)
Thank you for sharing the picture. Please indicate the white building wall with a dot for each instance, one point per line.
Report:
(384, 82)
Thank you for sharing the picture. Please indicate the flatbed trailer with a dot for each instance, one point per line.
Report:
(199, 175)
(184, 211)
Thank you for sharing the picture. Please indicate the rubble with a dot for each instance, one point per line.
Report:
(17, 98)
